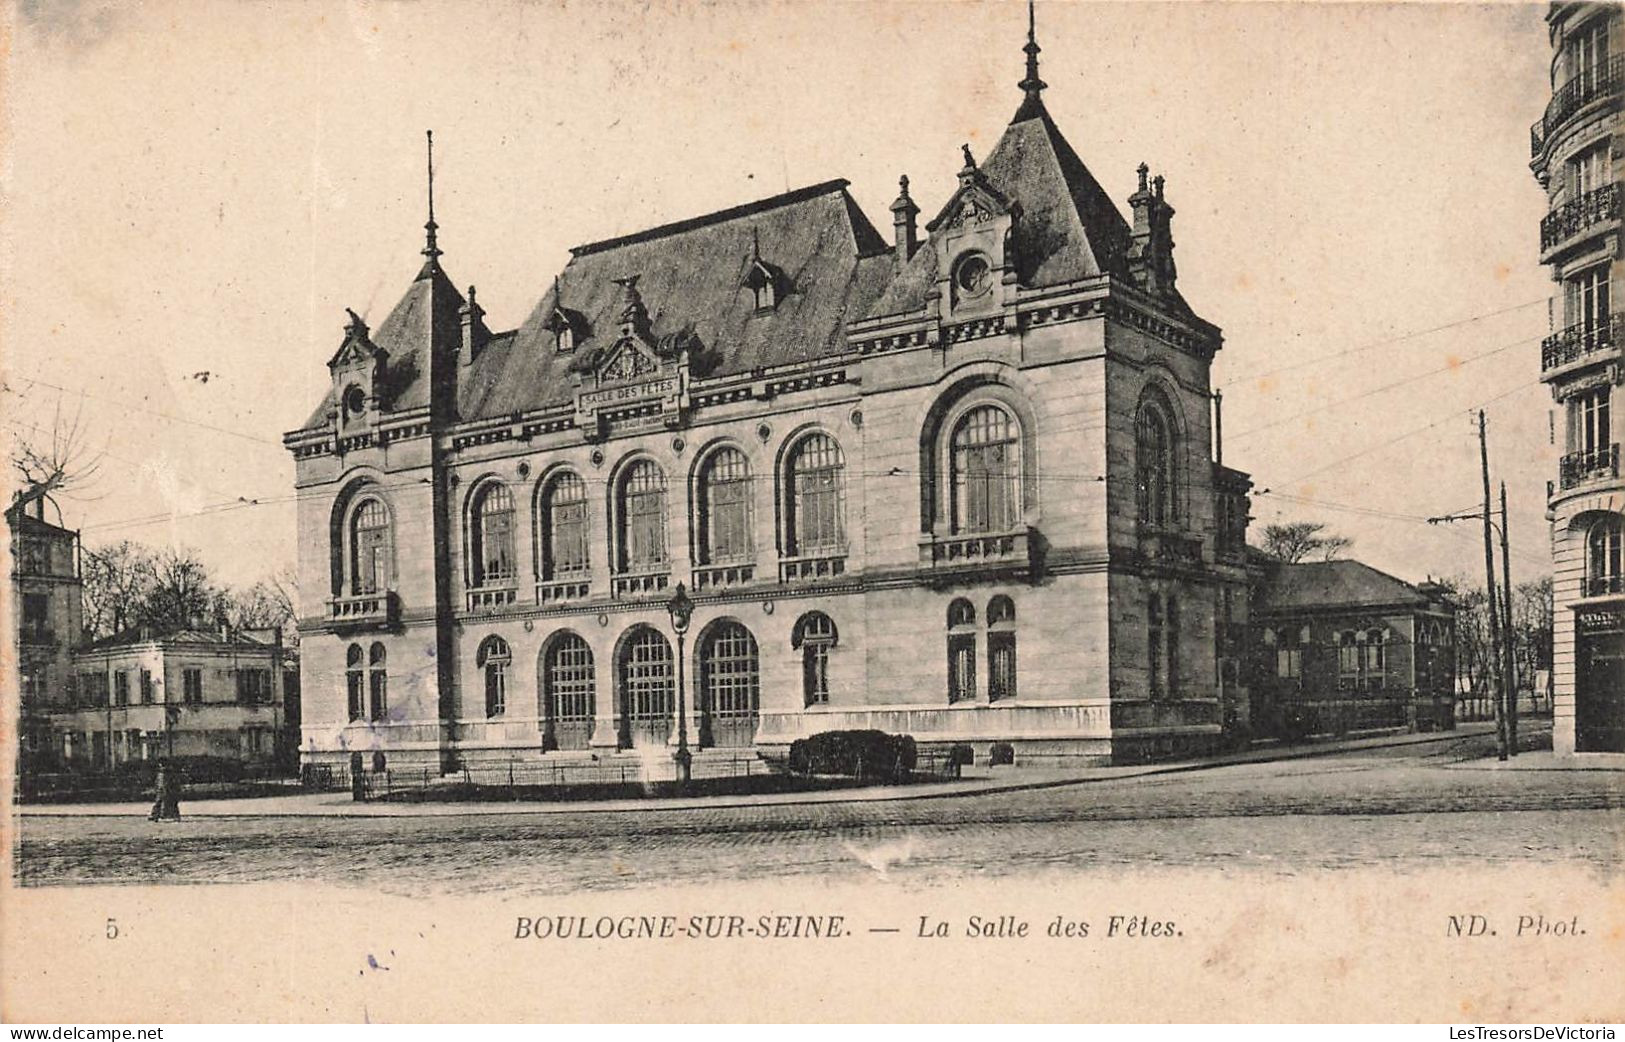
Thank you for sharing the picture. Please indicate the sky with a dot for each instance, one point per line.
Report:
(193, 193)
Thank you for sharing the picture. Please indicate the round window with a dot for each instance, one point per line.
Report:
(974, 275)
(355, 402)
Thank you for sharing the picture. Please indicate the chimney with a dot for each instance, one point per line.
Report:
(1140, 238)
(1151, 243)
(474, 332)
(905, 236)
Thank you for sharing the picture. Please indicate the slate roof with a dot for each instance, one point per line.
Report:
(1332, 584)
(1069, 227)
(181, 635)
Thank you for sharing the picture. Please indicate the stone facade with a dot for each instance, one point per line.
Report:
(1576, 157)
(961, 486)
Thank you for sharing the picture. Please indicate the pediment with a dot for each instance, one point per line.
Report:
(975, 203)
(629, 359)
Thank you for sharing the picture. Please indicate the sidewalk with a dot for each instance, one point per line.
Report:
(976, 782)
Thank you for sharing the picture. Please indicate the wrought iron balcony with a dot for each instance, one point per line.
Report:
(1578, 215)
(365, 610)
(1581, 342)
(491, 598)
(1573, 96)
(568, 588)
(810, 567)
(713, 576)
(640, 584)
(1579, 468)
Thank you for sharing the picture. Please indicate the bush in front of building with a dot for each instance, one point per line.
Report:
(1001, 754)
(860, 754)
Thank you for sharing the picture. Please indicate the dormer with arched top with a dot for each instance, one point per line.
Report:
(358, 376)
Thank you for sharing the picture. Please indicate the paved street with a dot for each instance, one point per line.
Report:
(1435, 803)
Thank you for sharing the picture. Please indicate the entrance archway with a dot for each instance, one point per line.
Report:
(645, 681)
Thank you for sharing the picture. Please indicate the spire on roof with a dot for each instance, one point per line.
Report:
(1031, 86)
(430, 249)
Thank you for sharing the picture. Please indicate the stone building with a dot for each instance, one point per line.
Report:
(147, 695)
(958, 483)
(1344, 647)
(1575, 155)
(46, 597)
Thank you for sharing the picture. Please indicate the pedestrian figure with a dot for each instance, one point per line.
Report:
(166, 805)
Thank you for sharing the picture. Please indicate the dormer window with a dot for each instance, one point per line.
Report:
(565, 340)
(567, 328)
(973, 276)
(763, 282)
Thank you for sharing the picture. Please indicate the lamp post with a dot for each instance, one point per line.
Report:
(681, 609)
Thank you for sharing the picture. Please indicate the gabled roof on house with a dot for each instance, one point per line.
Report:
(1312, 585)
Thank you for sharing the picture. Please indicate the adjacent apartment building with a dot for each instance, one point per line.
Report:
(1575, 149)
(957, 482)
(47, 596)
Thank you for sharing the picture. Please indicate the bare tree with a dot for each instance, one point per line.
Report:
(1300, 540)
(55, 461)
(118, 579)
(182, 594)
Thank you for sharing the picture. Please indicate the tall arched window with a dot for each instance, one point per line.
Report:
(985, 465)
(961, 651)
(370, 549)
(563, 521)
(723, 505)
(1375, 664)
(569, 697)
(1001, 648)
(1154, 465)
(730, 686)
(1348, 653)
(815, 635)
(492, 549)
(1604, 564)
(642, 509)
(647, 691)
(378, 682)
(815, 520)
(355, 682)
(494, 658)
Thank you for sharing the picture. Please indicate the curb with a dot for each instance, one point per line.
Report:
(885, 795)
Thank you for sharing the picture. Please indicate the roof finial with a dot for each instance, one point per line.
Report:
(430, 249)
(1032, 85)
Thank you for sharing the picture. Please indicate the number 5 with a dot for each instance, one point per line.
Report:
(112, 929)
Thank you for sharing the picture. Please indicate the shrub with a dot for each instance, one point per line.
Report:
(861, 754)
(1001, 754)
(961, 755)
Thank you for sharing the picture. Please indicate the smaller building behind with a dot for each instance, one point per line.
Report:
(188, 693)
(1340, 647)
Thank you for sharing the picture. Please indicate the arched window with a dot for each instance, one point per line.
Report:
(642, 509)
(814, 634)
(370, 549)
(647, 690)
(1348, 653)
(355, 682)
(723, 506)
(570, 702)
(985, 466)
(378, 682)
(1604, 564)
(1289, 656)
(1154, 465)
(1001, 648)
(816, 520)
(1374, 663)
(492, 549)
(730, 686)
(563, 521)
(493, 660)
(961, 651)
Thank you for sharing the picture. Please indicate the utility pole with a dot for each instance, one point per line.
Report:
(1512, 657)
(1496, 676)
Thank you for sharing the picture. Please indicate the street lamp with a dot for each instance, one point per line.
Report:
(681, 610)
